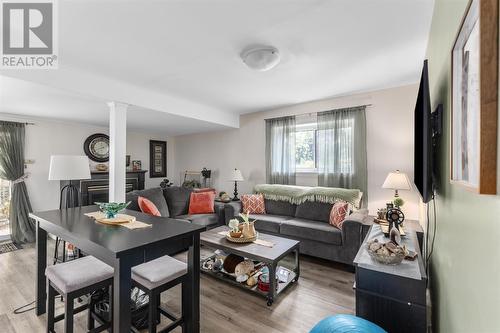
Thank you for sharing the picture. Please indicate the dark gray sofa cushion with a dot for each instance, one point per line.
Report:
(313, 230)
(311, 210)
(280, 208)
(153, 194)
(177, 199)
(205, 220)
(268, 223)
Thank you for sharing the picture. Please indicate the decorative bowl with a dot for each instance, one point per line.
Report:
(381, 253)
(395, 259)
(241, 239)
(111, 208)
(233, 234)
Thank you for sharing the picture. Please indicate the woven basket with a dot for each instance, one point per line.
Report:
(387, 260)
(241, 239)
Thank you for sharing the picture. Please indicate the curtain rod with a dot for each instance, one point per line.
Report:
(18, 122)
(310, 113)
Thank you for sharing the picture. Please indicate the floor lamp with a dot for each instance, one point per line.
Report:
(68, 168)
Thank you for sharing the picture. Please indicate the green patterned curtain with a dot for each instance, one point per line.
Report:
(22, 229)
(341, 145)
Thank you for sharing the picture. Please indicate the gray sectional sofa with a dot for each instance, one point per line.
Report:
(174, 202)
(309, 223)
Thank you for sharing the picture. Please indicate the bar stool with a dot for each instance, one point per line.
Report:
(71, 280)
(155, 277)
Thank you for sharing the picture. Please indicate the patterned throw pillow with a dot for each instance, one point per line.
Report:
(338, 214)
(253, 204)
(148, 207)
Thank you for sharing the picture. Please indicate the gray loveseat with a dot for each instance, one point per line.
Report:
(308, 222)
(174, 202)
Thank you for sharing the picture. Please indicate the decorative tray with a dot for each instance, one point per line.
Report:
(118, 219)
(242, 239)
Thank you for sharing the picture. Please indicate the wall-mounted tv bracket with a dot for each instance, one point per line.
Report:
(437, 121)
(437, 131)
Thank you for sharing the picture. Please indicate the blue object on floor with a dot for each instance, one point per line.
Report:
(346, 324)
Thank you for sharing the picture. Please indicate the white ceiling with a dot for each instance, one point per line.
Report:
(189, 50)
(33, 100)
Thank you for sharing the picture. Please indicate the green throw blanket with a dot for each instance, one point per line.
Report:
(300, 194)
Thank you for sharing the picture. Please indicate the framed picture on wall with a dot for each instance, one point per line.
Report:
(474, 99)
(157, 158)
(136, 165)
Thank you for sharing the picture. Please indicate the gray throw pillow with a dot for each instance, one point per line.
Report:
(177, 200)
(274, 207)
(312, 210)
(155, 195)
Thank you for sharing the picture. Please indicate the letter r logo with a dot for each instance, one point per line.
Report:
(27, 28)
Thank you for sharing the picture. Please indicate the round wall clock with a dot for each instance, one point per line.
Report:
(96, 147)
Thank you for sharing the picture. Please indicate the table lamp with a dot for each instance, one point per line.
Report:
(68, 168)
(397, 181)
(236, 177)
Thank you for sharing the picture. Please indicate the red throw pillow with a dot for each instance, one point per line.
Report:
(338, 214)
(148, 207)
(253, 204)
(201, 203)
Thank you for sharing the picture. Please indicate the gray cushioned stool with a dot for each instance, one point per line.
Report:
(71, 280)
(154, 277)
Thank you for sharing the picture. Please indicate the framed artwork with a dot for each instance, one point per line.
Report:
(157, 159)
(136, 165)
(474, 101)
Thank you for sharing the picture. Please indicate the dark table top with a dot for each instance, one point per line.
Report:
(72, 225)
(281, 245)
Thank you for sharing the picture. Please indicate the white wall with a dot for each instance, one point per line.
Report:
(389, 145)
(47, 138)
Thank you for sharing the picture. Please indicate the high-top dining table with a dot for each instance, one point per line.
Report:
(122, 248)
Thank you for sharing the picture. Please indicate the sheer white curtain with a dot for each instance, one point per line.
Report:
(341, 146)
(280, 150)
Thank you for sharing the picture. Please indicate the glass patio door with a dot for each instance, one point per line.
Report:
(4, 209)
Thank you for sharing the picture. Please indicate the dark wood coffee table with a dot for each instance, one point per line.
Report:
(271, 256)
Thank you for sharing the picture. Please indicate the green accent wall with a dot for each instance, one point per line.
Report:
(465, 269)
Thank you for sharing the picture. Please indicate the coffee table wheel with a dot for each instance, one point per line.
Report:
(270, 301)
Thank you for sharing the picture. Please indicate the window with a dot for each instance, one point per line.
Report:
(305, 150)
(4, 209)
(305, 145)
(308, 138)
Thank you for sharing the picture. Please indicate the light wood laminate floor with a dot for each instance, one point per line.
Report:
(324, 288)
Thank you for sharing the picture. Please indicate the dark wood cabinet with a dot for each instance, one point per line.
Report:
(96, 189)
(391, 314)
(393, 297)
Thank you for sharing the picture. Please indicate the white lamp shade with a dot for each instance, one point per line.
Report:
(237, 176)
(69, 167)
(397, 181)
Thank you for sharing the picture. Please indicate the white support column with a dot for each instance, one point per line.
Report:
(117, 150)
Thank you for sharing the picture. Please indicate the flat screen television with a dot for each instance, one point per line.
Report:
(423, 151)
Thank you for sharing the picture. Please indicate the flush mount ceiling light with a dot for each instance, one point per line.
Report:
(261, 58)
